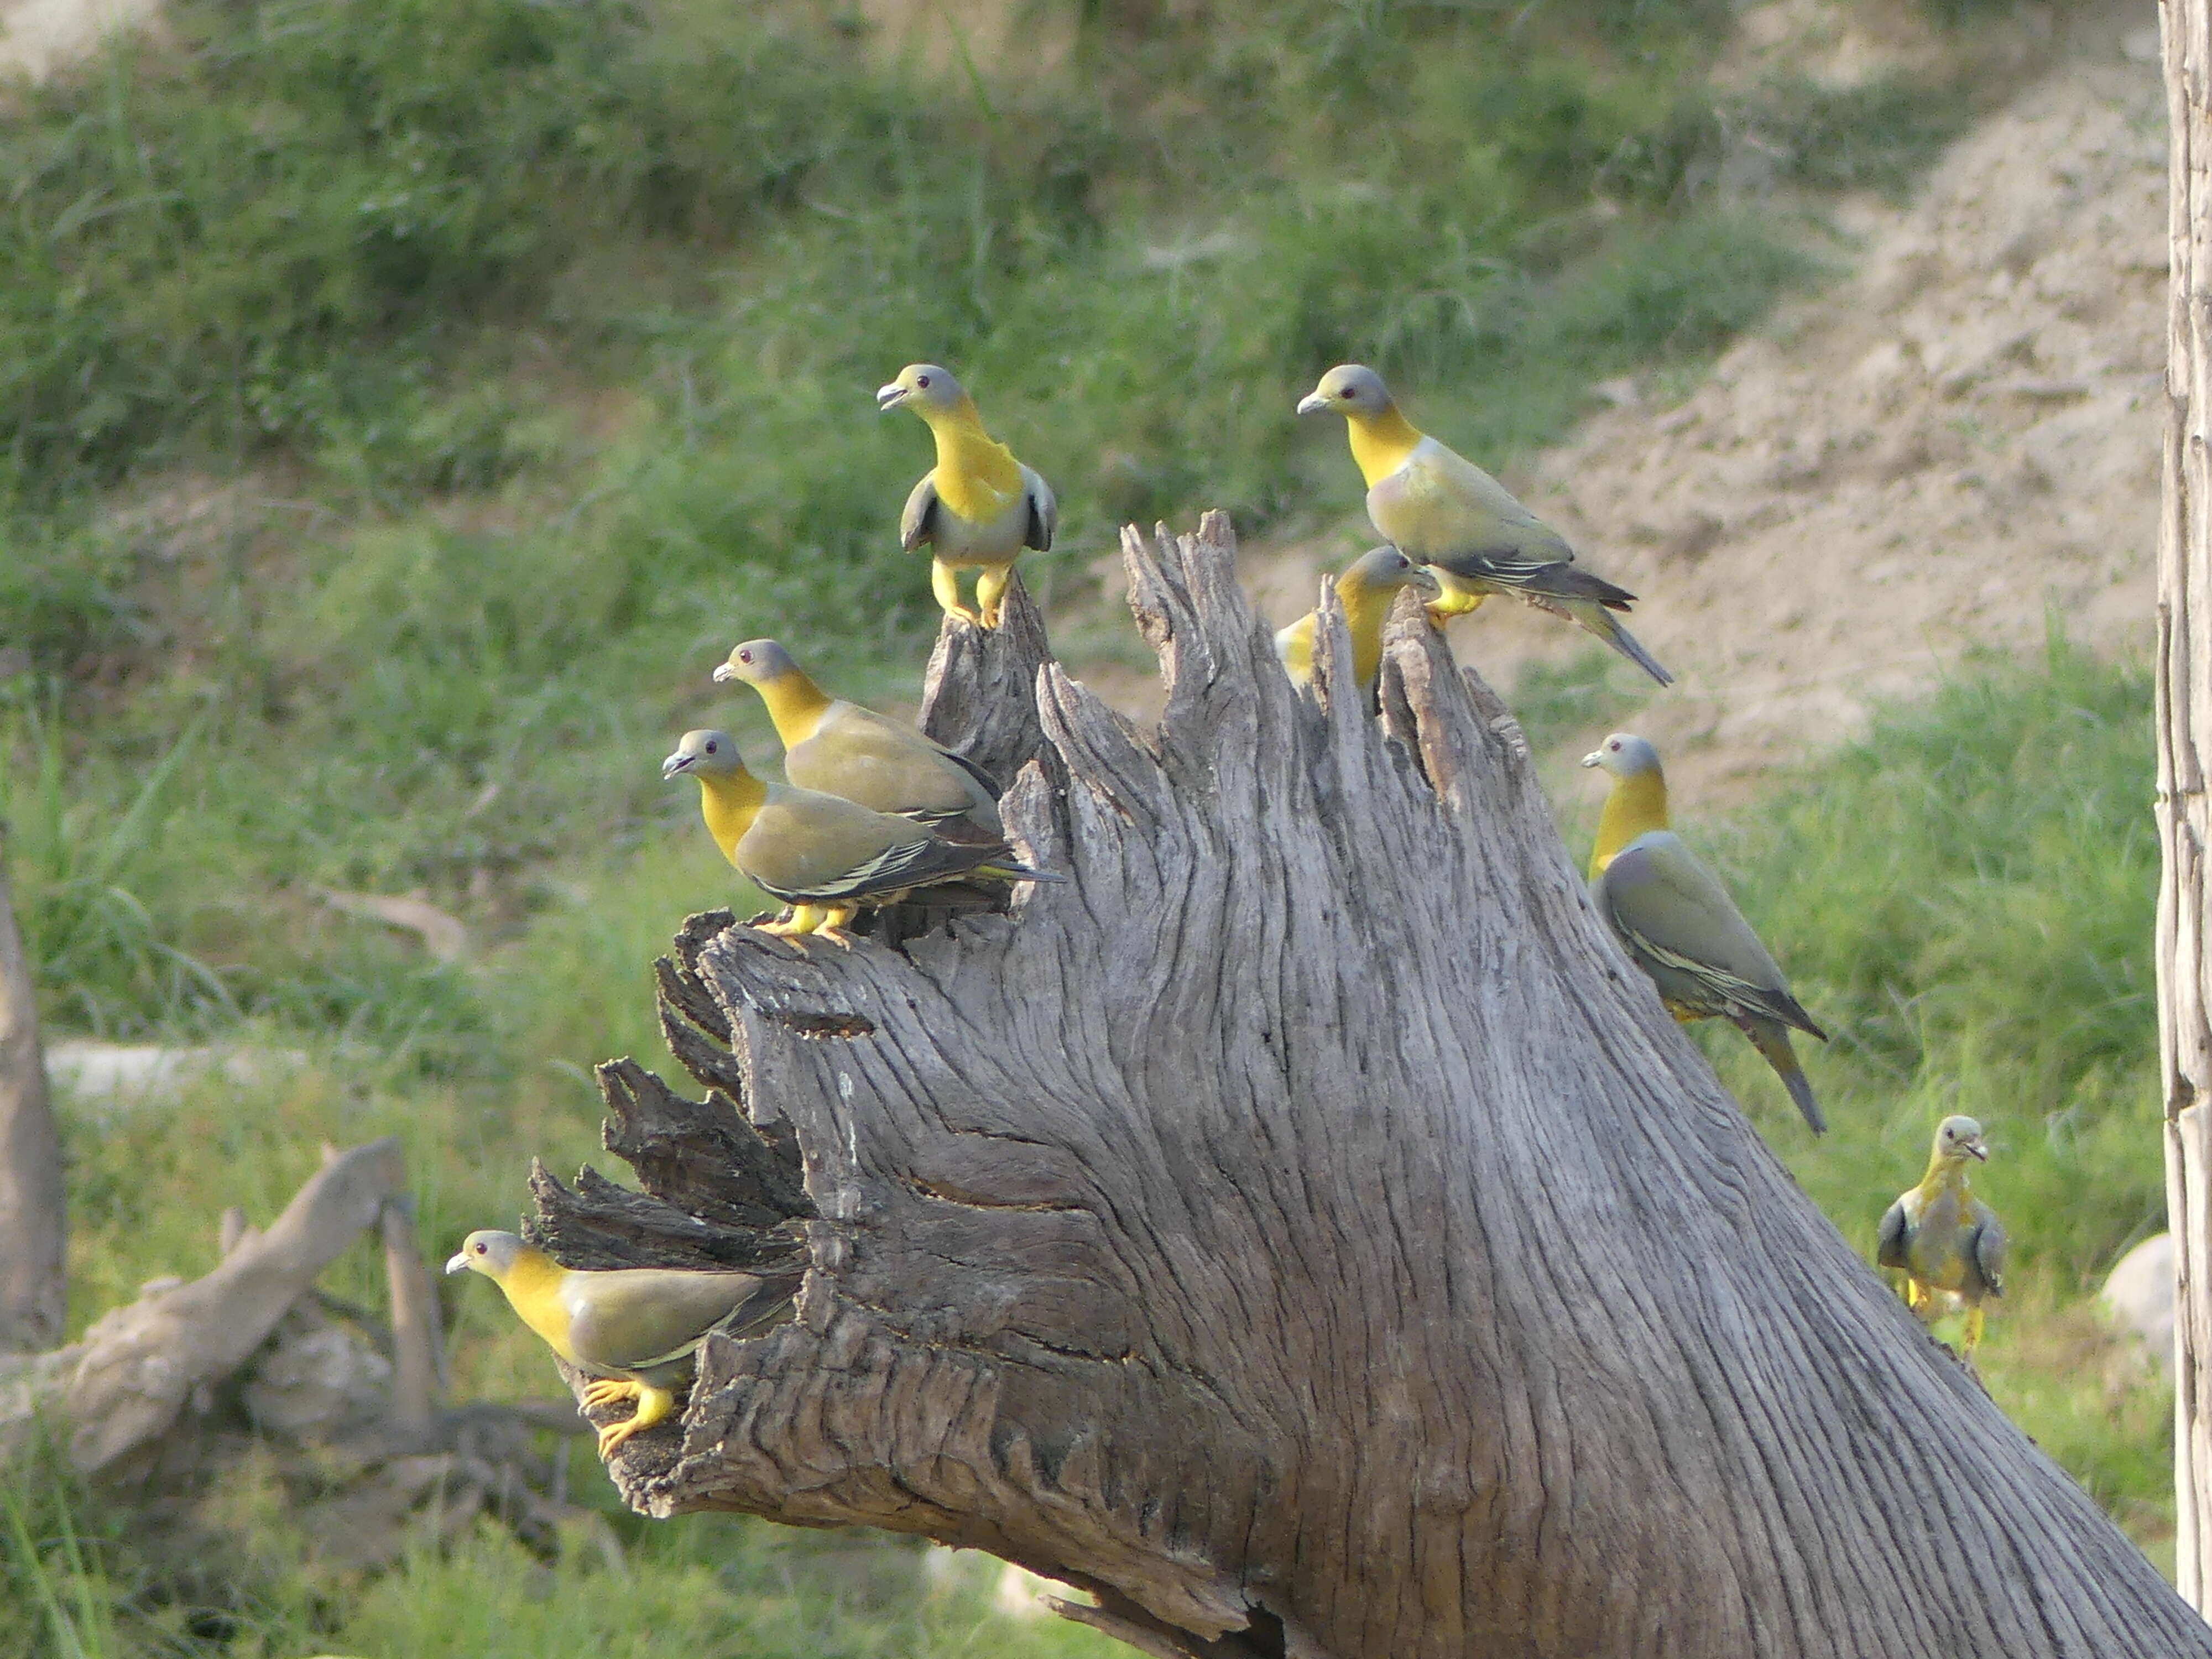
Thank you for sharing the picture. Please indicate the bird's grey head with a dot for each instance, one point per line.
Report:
(1387, 568)
(923, 385)
(755, 662)
(1624, 755)
(1960, 1138)
(490, 1253)
(703, 754)
(1348, 389)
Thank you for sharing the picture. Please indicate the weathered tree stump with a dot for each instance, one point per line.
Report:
(1302, 1228)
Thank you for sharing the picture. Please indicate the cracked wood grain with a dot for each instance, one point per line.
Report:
(1302, 1229)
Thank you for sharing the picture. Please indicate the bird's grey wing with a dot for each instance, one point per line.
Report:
(1988, 1247)
(1671, 908)
(635, 1317)
(1890, 1245)
(918, 524)
(1044, 511)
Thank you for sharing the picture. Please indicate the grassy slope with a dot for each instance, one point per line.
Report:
(405, 405)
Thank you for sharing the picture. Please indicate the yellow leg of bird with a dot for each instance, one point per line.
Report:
(1916, 1295)
(654, 1406)
(944, 582)
(832, 926)
(1453, 600)
(803, 919)
(1973, 1337)
(610, 1391)
(990, 588)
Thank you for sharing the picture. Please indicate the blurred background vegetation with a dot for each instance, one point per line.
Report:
(403, 406)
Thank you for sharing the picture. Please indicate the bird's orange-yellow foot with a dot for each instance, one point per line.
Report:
(990, 589)
(610, 1391)
(944, 582)
(1973, 1337)
(802, 919)
(654, 1406)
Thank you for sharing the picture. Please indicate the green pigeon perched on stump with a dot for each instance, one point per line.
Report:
(636, 1330)
(1679, 925)
(1442, 510)
(1940, 1236)
(838, 748)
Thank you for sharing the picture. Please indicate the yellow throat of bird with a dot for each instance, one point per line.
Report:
(1381, 442)
(729, 801)
(795, 704)
(1945, 1174)
(976, 475)
(533, 1288)
(1635, 807)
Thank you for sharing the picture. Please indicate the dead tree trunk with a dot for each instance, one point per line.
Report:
(1303, 1230)
(33, 1232)
(2184, 814)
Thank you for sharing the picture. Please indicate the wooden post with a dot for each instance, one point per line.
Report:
(34, 1224)
(2184, 813)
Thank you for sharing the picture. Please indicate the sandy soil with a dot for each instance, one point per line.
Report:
(1954, 446)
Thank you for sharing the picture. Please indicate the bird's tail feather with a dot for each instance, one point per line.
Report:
(1595, 620)
(1772, 1039)
(1010, 871)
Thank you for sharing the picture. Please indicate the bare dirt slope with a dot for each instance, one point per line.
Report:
(1950, 447)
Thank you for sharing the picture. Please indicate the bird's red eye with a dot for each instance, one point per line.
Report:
(744, 656)
(1615, 747)
(480, 1249)
(922, 380)
(710, 748)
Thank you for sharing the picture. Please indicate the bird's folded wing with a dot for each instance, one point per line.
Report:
(1889, 1241)
(865, 757)
(918, 524)
(815, 849)
(1044, 511)
(1989, 1246)
(635, 1317)
(1662, 895)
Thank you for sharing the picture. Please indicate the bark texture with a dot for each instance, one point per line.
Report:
(1303, 1230)
(34, 1228)
(2184, 814)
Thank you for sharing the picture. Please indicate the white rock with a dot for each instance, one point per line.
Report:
(2138, 1296)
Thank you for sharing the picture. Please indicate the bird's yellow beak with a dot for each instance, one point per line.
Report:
(679, 762)
(891, 396)
(724, 673)
(459, 1262)
(1312, 404)
(1595, 757)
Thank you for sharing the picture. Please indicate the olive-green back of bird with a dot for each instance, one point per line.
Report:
(1441, 508)
(1680, 926)
(877, 762)
(647, 1319)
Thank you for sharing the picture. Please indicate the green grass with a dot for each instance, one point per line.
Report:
(1965, 899)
